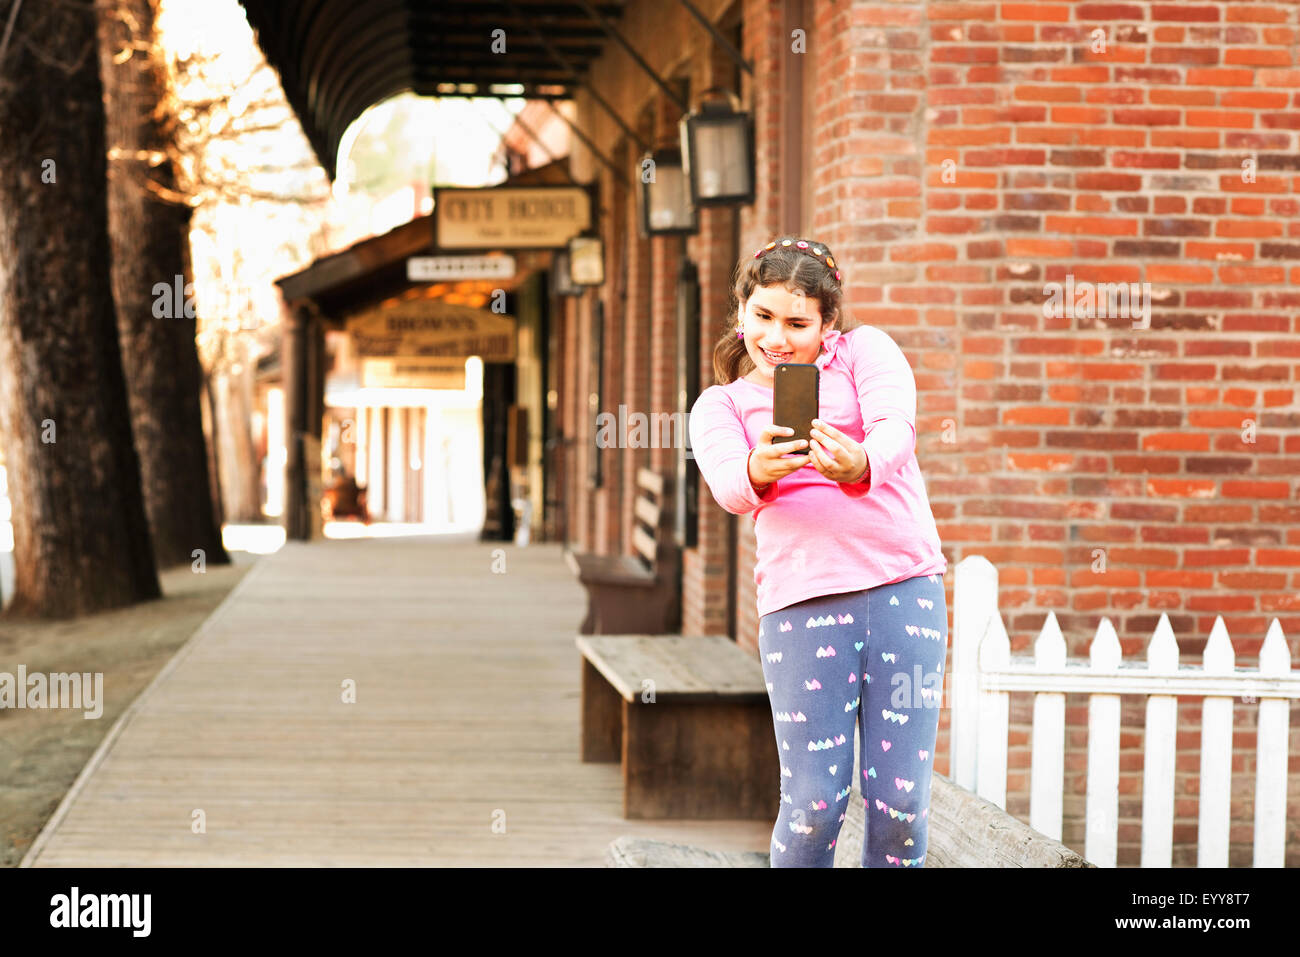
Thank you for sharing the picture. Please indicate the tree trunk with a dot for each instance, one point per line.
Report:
(149, 231)
(81, 539)
(208, 410)
(240, 466)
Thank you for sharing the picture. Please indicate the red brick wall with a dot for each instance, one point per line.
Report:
(704, 578)
(714, 251)
(767, 46)
(665, 264)
(616, 481)
(960, 156)
(570, 394)
(1077, 435)
(705, 573)
(628, 339)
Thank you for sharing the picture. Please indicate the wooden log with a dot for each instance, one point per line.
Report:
(968, 831)
(630, 851)
(965, 831)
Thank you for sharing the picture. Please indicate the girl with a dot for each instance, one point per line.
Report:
(853, 619)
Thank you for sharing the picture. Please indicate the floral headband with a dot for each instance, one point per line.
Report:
(812, 249)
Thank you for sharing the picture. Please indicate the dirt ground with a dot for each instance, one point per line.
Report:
(43, 750)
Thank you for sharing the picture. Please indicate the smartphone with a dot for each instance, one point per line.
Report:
(794, 400)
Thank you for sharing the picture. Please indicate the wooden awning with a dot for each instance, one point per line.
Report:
(337, 58)
(372, 270)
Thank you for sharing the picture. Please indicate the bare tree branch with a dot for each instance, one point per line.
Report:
(67, 68)
(9, 28)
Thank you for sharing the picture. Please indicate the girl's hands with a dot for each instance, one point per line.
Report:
(835, 455)
(765, 462)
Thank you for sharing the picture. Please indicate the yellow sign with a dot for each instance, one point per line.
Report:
(431, 328)
(517, 217)
(413, 373)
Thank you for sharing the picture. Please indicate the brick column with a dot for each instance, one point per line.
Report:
(665, 263)
(765, 44)
(706, 569)
(637, 326)
(614, 533)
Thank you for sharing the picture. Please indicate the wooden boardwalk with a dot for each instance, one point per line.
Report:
(466, 713)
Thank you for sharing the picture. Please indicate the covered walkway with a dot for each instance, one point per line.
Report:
(466, 714)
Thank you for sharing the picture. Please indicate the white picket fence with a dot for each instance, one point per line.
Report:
(984, 673)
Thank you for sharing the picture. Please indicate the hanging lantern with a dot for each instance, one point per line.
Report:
(587, 260)
(666, 208)
(560, 275)
(718, 151)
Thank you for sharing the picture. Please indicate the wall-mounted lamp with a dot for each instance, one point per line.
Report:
(560, 278)
(666, 208)
(718, 151)
(587, 260)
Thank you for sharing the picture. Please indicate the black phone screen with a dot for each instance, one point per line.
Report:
(794, 399)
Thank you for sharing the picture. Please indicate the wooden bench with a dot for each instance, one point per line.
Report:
(638, 593)
(689, 718)
(965, 831)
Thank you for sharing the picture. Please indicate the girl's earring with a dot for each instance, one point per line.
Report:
(740, 333)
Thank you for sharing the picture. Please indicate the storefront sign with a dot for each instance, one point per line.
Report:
(519, 217)
(431, 328)
(436, 268)
(413, 373)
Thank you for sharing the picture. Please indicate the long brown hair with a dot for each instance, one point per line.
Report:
(785, 266)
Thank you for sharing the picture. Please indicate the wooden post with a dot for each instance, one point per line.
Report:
(1271, 756)
(1159, 761)
(992, 714)
(1215, 789)
(314, 406)
(1102, 803)
(295, 361)
(1047, 765)
(602, 717)
(975, 603)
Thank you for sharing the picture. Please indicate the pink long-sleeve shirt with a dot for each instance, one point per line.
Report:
(817, 536)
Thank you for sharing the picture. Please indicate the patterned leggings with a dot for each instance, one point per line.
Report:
(873, 658)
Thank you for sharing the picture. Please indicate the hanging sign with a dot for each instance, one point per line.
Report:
(431, 328)
(518, 217)
(435, 268)
(414, 373)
